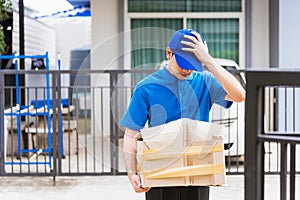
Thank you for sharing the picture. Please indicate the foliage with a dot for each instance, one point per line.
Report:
(5, 5)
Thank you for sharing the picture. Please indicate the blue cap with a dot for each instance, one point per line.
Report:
(185, 60)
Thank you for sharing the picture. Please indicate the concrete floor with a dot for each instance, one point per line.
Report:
(113, 188)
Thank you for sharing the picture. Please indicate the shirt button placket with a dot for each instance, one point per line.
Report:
(181, 97)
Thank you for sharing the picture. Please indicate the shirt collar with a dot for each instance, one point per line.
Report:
(170, 76)
(190, 77)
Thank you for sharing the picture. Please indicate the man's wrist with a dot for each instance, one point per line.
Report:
(131, 173)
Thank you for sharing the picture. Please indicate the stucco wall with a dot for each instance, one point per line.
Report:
(289, 33)
(289, 40)
(260, 34)
(71, 33)
(104, 56)
(104, 34)
(39, 39)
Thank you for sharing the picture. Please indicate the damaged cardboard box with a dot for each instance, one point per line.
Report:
(181, 153)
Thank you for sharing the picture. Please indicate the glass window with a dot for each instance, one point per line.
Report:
(184, 6)
(222, 36)
(149, 39)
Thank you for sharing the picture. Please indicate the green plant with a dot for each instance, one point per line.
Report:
(5, 6)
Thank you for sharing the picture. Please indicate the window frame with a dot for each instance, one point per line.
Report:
(185, 16)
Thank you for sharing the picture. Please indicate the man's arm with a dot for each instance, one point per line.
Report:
(235, 92)
(129, 151)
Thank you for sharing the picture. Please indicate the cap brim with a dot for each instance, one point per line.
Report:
(187, 60)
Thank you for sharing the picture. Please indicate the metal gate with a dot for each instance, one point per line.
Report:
(75, 147)
(283, 137)
(86, 138)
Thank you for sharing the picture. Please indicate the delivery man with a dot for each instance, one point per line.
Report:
(181, 89)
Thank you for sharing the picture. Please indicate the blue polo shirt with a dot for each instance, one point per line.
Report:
(161, 98)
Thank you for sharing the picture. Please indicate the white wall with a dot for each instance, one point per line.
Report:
(38, 39)
(289, 33)
(104, 55)
(289, 40)
(105, 48)
(71, 33)
(260, 34)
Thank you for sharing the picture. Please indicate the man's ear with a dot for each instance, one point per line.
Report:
(169, 53)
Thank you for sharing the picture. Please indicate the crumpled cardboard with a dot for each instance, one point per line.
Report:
(184, 152)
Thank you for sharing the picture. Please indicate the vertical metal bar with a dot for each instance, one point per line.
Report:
(36, 146)
(22, 45)
(269, 127)
(18, 106)
(269, 157)
(55, 131)
(278, 157)
(250, 140)
(93, 128)
(85, 131)
(48, 101)
(21, 31)
(274, 32)
(276, 121)
(45, 126)
(261, 145)
(276, 108)
(60, 131)
(69, 133)
(52, 138)
(18, 118)
(254, 176)
(283, 171)
(248, 12)
(293, 172)
(118, 130)
(229, 139)
(294, 108)
(285, 109)
(2, 144)
(102, 129)
(113, 130)
(116, 117)
(27, 134)
(11, 132)
(293, 154)
(260, 171)
(77, 133)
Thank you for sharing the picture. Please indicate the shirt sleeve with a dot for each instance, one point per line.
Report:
(216, 91)
(137, 112)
